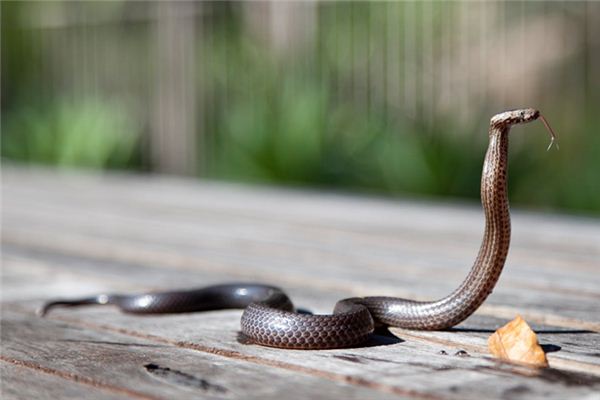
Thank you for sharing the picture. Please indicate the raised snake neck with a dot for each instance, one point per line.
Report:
(269, 318)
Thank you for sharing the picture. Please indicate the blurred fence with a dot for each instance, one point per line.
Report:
(296, 91)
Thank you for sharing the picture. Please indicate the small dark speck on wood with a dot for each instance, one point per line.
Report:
(461, 353)
(350, 358)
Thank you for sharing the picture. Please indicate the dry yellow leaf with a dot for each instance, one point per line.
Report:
(516, 341)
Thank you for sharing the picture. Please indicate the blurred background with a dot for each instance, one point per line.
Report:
(386, 98)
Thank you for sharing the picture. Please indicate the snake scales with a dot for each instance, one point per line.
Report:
(269, 318)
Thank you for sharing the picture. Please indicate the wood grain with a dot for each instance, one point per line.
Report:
(141, 368)
(80, 234)
(22, 382)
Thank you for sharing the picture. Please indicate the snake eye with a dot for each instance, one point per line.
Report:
(522, 113)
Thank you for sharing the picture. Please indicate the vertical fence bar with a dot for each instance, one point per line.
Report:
(173, 138)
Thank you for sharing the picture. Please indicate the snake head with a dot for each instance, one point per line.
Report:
(522, 116)
(513, 117)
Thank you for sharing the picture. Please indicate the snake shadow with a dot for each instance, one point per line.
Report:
(382, 337)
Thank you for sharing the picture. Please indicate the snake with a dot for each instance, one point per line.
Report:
(270, 319)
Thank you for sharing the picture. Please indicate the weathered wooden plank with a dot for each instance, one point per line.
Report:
(334, 270)
(86, 233)
(152, 369)
(88, 277)
(410, 220)
(409, 366)
(177, 198)
(23, 382)
(116, 277)
(402, 239)
(219, 231)
(405, 363)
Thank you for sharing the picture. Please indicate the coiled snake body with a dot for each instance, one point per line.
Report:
(269, 317)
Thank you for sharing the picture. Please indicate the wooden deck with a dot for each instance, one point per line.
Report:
(81, 234)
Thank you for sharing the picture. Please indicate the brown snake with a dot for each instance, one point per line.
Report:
(269, 318)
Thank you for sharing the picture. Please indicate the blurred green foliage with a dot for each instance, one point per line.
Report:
(295, 121)
(55, 127)
(89, 133)
(297, 135)
(285, 126)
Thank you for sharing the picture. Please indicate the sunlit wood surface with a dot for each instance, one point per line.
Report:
(77, 234)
